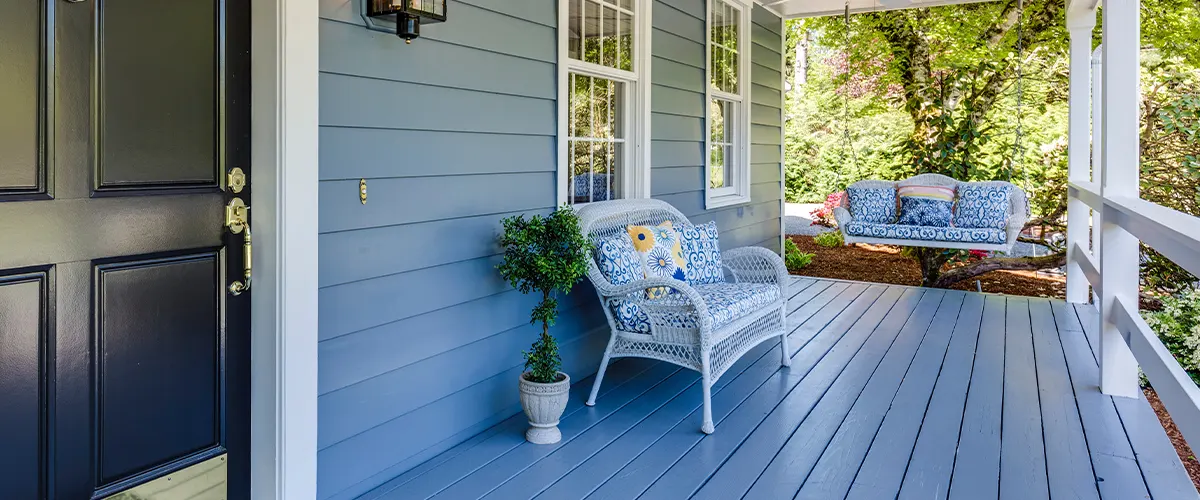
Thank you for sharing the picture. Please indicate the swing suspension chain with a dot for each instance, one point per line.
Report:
(1018, 152)
(847, 140)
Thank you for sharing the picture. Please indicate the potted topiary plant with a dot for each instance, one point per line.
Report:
(544, 255)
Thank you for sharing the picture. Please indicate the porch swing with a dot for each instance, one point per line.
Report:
(933, 210)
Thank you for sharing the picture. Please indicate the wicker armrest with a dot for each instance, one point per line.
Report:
(756, 265)
(842, 216)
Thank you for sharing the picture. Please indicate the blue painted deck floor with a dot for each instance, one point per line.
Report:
(893, 392)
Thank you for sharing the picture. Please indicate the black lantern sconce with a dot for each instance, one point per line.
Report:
(407, 14)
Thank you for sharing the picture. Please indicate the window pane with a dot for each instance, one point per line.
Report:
(575, 29)
(602, 32)
(591, 31)
(730, 164)
(596, 149)
(716, 166)
(717, 117)
(731, 28)
(731, 75)
(625, 41)
(580, 106)
(608, 32)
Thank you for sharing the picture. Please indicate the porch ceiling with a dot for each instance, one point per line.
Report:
(791, 9)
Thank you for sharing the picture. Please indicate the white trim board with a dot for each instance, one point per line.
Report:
(283, 392)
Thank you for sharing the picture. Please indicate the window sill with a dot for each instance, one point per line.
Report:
(725, 200)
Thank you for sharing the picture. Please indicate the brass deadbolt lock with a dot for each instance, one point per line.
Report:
(236, 180)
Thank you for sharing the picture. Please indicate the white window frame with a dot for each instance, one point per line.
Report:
(739, 192)
(636, 107)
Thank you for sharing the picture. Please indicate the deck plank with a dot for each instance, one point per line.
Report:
(932, 459)
(977, 465)
(1151, 447)
(883, 470)
(884, 420)
(644, 471)
(462, 460)
(784, 431)
(1022, 450)
(1117, 473)
(485, 478)
(1068, 476)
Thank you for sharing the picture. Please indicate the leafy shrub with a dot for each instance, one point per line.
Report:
(547, 255)
(824, 216)
(1178, 326)
(794, 258)
(831, 239)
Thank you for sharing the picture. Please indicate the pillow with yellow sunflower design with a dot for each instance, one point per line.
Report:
(659, 251)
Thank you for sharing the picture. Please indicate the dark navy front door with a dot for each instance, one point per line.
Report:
(123, 358)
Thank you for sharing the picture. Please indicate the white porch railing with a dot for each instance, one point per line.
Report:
(1103, 249)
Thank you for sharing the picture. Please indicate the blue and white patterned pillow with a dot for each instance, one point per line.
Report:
(982, 205)
(617, 260)
(702, 251)
(917, 211)
(872, 205)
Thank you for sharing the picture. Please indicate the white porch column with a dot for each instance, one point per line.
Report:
(1097, 151)
(1120, 163)
(1080, 22)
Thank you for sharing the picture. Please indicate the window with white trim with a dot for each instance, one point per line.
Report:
(603, 111)
(728, 163)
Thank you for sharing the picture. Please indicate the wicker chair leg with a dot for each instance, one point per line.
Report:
(783, 337)
(600, 373)
(706, 382)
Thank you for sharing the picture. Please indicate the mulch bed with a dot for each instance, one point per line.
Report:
(1181, 447)
(884, 264)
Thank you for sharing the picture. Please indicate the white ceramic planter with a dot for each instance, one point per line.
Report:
(544, 404)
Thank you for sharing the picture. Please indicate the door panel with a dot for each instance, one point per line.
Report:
(158, 94)
(158, 344)
(122, 357)
(24, 330)
(21, 170)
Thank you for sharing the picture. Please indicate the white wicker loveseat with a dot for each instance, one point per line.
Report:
(692, 327)
(936, 237)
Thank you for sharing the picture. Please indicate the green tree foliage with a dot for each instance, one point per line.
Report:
(547, 255)
(936, 90)
(1178, 326)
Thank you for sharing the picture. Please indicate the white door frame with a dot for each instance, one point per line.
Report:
(284, 102)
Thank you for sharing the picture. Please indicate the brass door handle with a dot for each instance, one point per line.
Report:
(237, 219)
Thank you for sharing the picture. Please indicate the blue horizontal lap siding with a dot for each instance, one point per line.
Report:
(420, 339)
(678, 150)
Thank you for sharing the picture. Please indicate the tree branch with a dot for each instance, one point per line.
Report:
(974, 269)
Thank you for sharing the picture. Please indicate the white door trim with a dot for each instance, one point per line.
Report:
(284, 101)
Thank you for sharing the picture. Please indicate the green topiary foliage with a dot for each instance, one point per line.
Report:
(1178, 326)
(547, 255)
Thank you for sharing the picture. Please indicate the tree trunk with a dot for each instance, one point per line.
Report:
(932, 260)
(995, 264)
(801, 65)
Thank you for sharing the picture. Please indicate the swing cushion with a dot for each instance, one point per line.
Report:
(927, 233)
(926, 205)
(982, 205)
(872, 205)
